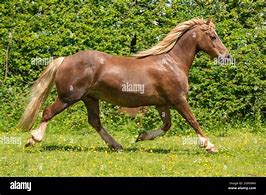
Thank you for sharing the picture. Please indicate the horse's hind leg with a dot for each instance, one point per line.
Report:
(92, 106)
(166, 118)
(37, 135)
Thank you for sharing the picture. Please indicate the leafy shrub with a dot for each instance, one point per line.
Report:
(218, 94)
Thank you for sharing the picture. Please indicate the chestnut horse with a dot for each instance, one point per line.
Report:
(157, 76)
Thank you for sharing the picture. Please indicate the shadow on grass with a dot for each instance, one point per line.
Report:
(125, 150)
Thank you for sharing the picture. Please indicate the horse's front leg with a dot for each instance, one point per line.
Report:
(164, 112)
(183, 108)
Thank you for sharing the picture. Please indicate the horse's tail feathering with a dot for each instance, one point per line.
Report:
(39, 93)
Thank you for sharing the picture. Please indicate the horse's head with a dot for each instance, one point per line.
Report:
(209, 41)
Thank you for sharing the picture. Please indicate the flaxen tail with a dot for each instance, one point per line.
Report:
(39, 93)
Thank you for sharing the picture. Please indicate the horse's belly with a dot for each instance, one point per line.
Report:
(128, 88)
(128, 98)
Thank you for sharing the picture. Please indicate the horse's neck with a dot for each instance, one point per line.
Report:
(185, 50)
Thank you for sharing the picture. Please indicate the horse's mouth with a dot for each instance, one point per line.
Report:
(225, 59)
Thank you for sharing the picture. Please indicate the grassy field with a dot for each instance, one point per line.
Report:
(241, 153)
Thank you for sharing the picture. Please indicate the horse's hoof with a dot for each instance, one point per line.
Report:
(212, 150)
(141, 137)
(117, 148)
(137, 140)
(31, 142)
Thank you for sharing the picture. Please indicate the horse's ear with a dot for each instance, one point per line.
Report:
(209, 21)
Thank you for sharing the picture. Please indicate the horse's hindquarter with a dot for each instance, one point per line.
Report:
(77, 73)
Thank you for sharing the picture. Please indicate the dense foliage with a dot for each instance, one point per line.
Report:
(33, 31)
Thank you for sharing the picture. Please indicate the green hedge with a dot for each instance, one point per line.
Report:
(220, 94)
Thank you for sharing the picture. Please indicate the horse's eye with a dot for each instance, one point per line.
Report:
(213, 38)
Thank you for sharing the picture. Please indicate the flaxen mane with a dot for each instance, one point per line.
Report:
(169, 41)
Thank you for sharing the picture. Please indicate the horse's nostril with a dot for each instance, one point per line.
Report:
(228, 55)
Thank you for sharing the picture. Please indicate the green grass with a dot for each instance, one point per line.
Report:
(241, 153)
